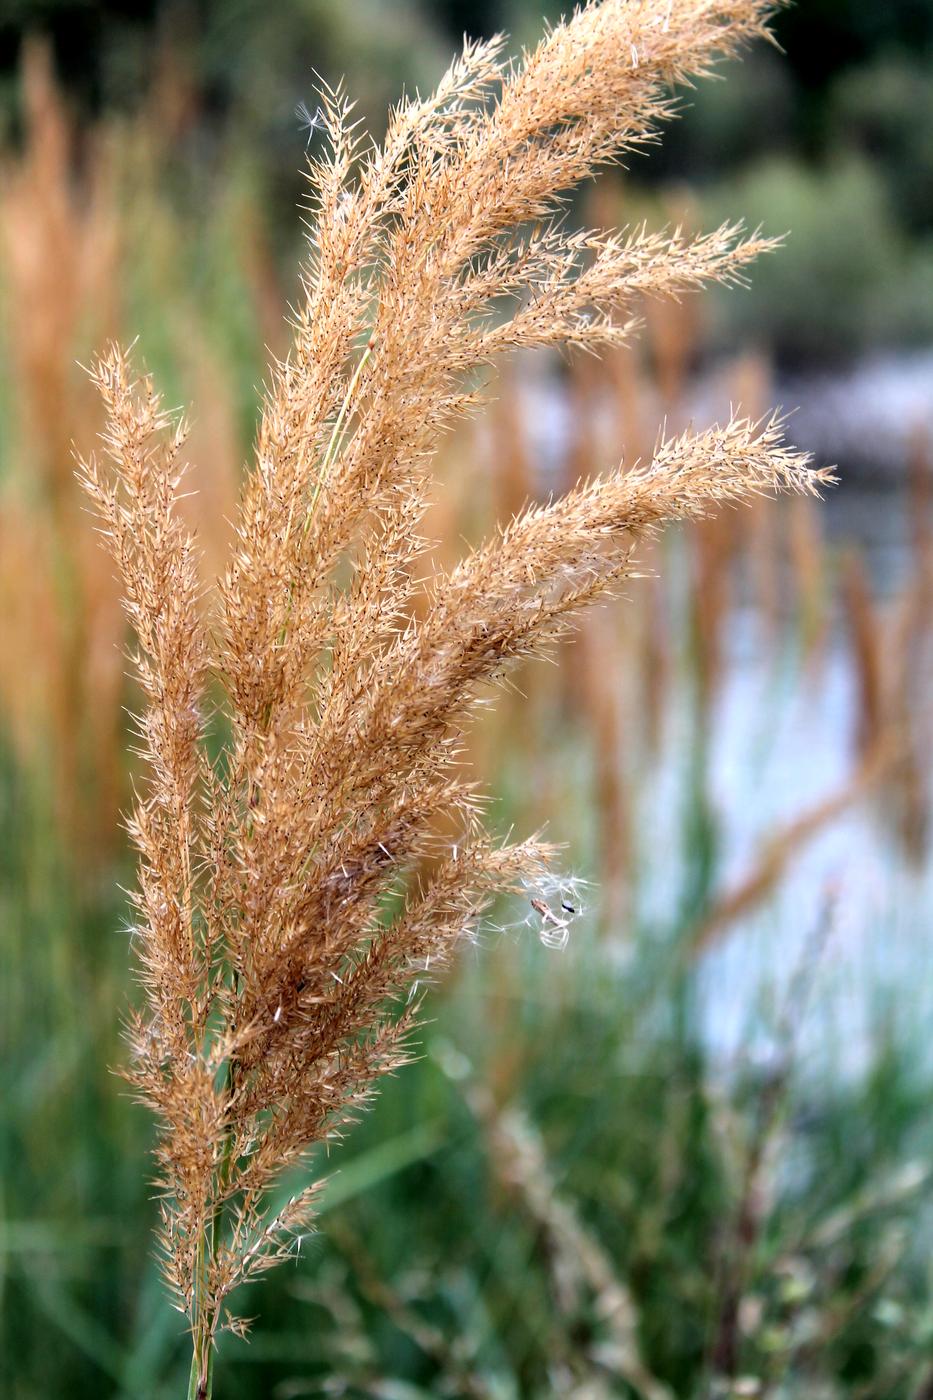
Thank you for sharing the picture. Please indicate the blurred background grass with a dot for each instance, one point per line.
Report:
(690, 1156)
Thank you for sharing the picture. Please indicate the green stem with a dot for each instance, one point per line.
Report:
(195, 1375)
(198, 1389)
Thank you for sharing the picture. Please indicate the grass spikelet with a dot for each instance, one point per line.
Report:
(294, 896)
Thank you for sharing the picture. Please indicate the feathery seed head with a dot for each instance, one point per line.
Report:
(293, 899)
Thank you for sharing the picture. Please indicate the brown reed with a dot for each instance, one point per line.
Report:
(70, 197)
(777, 852)
(59, 246)
(808, 567)
(890, 648)
(281, 927)
(866, 642)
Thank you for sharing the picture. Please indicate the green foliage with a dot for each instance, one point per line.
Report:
(561, 1088)
(723, 126)
(838, 287)
(885, 111)
(642, 1134)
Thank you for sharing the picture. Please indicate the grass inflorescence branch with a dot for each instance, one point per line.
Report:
(292, 899)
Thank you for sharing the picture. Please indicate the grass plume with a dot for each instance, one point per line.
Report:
(293, 896)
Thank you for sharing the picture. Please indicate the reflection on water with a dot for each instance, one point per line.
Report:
(780, 741)
(872, 519)
(781, 735)
(868, 417)
(777, 749)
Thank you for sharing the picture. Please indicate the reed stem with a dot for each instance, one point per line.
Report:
(201, 1378)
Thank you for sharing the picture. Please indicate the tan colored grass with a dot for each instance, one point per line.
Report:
(281, 931)
(60, 676)
(65, 236)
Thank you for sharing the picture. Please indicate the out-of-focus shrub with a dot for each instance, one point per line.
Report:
(725, 125)
(885, 111)
(837, 287)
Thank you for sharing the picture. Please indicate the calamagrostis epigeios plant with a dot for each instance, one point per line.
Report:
(282, 922)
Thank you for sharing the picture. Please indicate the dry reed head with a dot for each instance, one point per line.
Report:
(60, 678)
(282, 930)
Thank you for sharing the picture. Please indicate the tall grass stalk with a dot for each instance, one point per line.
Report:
(294, 896)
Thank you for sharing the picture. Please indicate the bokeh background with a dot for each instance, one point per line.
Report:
(690, 1155)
